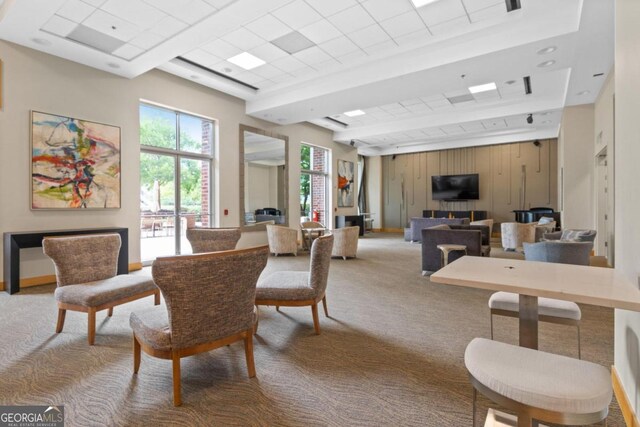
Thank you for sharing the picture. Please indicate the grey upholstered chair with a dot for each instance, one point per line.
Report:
(573, 235)
(210, 304)
(282, 240)
(549, 310)
(213, 239)
(86, 275)
(300, 288)
(345, 243)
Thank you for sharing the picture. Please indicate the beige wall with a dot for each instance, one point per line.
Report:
(500, 170)
(576, 165)
(36, 81)
(374, 189)
(627, 194)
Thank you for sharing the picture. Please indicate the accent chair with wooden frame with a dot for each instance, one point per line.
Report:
(213, 239)
(209, 304)
(86, 275)
(300, 288)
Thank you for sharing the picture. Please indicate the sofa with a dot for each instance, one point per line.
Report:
(418, 224)
(461, 234)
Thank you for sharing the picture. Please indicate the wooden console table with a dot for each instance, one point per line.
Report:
(14, 241)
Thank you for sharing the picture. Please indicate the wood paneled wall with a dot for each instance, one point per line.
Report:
(406, 180)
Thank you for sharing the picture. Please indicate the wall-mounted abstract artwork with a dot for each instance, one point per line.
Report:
(345, 184)
(75, 164)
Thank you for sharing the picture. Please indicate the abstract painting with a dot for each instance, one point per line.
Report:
(345, 184)
(75, 164)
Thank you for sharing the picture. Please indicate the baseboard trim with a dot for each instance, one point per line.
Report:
(630, 417)
(392, 230)
(27, 282)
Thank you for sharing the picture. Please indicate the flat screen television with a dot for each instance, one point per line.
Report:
(455, 187)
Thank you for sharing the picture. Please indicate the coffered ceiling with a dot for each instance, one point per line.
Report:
(402, 72)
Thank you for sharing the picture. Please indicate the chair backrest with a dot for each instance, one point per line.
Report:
(213, 239)
(579, 235)
(83, 258)
(311, 224)
(345, 240)
(558, 251)
(209, 296)
(320, 260)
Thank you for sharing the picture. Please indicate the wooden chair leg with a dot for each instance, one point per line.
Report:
(248, 352)
(136, 355)
(91, 326)
(156, 298)
(61, 315)
(324, 305)
(177, 398)
(316, 321)
(277, 308)
(110, 312)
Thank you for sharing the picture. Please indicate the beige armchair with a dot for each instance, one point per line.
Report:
(210, 304)
(487, 222)
(282, 240)
(514, 234)
(311, 230)
(213, 239)
(345, 243)
(300, 288)
(86, 275)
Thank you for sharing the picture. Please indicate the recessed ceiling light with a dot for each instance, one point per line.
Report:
(246, 61)
(420, 3)
(41, 42)
(548, 63)
(546, 50)
(482, 88)
(584, 92)
(354, 113)
(509, 82)
(113, 65)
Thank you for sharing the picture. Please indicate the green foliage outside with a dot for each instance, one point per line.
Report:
(305, 180)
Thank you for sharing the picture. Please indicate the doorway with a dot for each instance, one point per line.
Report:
(604, 207)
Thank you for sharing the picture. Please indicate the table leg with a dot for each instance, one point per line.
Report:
(529, 321)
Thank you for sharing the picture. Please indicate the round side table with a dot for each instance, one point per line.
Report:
(445, 249)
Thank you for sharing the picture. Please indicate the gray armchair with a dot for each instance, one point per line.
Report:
(562, 252)
(419, 224)
(572, 234)
(213, 239)
(432, 237)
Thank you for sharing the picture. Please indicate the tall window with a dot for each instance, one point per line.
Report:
(314, 163)
(175, 179)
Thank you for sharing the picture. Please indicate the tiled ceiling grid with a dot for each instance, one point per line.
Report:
(135, 25)
(340, 32)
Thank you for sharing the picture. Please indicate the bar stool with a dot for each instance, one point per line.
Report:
(446, 248)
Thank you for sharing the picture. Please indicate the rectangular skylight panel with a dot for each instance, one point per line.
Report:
(482, 88)
(420, 3)
(354, 113)
(246, 61)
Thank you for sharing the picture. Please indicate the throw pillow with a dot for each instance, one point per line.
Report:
(440, 227)
(545, 220)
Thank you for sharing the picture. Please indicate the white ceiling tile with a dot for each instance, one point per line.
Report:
(268, 52)
(352, 57)
(267, 71)
(415, 134)
(171, 7)
(441, 11)
(297, 14)
(450, 26)
(369, 36)
(373, 110)
(202, 57)
(393, 106)
(168, 27)
(146, 40)
(282, 78)
(111, 25)
(219, 4)
(384, 9)
(313, 55)
(95, 3)
(475, 5)
(303, 72)
(418, 108)
(195, 11)
(417, 38)
(440, 104)
(352, 19)
(492, 12)
(434, 133)
(134, 11)
(127, 51)
(403, 24)
(221, 49)
(434, 97)
(328, 66)
(330, 7)
(243, 39)
(457, 92)
(494, 124)
(487, 96)
(75, 10)
(339, 46)
(517, 121)
(412, 101)
(249, 77)
(320, 31)
(383, 47)
(265, 84)
(59, 26)
(472, 127)
(452, 130)
(268, 27)
(289, 64)
(227, 68)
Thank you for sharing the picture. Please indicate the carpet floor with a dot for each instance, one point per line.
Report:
(390, 354)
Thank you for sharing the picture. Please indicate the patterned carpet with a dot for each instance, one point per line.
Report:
(391, 354)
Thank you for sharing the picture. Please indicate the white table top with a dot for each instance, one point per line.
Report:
(588, 285)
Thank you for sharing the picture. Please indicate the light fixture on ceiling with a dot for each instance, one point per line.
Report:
(548, 63)
(530, 118)
(246, 60)
(354, 113)
(41, 42)
(420, 3)
(546, 50)
(584, 92)
(483, 88)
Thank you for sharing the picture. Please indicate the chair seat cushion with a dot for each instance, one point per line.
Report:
(539, 379)
(546, 306)
(93, 294)
(285, 285)
(151, 327)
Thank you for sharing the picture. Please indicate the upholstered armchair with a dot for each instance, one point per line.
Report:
(209, 304)
(514, 234)
(282, 240)
(487, 222)
(86, 275)
(310, 231)
(213, 239)
(300, 288)
(573, 235)
(445, 234)
(345, 242)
